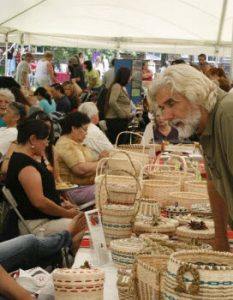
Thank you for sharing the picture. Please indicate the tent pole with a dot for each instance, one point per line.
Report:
(6, 54)
(231, 72)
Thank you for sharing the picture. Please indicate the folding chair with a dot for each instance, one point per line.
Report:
(10, 199)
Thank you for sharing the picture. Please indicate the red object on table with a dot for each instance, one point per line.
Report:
(62, 77)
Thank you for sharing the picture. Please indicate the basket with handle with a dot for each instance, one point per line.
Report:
(118, 189)
(199, 275)
(142, 156)
(171, 171)
(187, 199)
(150, 273)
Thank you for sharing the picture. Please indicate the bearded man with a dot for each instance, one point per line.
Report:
(190, 100)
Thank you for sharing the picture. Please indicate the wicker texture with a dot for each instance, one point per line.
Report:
(159, 190)
(199, 275)
(187, 234)
(78, 284)
(150, 273)
(124, 252)
(126, 285)
(147, 208)
(186, 199)
(164, 225)
(196, 186)
(117, 221)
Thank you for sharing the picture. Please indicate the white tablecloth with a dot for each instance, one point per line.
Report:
(110, 288)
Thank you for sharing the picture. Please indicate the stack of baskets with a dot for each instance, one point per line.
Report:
(199, 275)
(196, 186)
(118, 211)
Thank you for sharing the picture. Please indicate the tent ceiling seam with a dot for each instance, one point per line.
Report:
(22, 12)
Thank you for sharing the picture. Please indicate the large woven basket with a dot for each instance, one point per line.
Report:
(196, 186)
(124, 252)
(78, 284)
(199, 275)
(187, 199)
(117, 221)
(150, 273)
(159, 190)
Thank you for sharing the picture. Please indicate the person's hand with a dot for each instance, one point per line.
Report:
(73, 80)
(67, 204)
(78, 224)
(104, 154)
(72, 212)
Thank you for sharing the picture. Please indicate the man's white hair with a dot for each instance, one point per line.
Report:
(189, 82)
(6, 93)
(88, 108)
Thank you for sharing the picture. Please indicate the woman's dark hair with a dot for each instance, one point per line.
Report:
(177, 62)
(74, 119)
(42, 116)
(122, 76)
(41, 91)
(58, 87)
(88, 65)
(32, 127)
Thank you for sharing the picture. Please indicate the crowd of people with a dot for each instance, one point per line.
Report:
(53, 135)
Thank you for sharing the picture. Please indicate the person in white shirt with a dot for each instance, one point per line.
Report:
(96, 140)
(109, 75)
(14, 113)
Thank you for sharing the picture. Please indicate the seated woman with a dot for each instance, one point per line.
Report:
(77, 164)
(72, 92)
(160, 131)
(47, 104)
(33, 186)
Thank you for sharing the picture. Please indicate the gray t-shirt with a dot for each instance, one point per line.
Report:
(23, 67)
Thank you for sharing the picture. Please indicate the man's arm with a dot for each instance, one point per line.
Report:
(220, 216)
(11, 289)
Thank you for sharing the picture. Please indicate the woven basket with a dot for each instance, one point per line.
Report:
(126, 285)
(196, 186)
(147, 208)
(159, 190)
(117, 221)
(185, 233)
(199, 275)
(167, 226)
(186, 199)
(154, 237)
(150, 273)
(124, 252)
(78, 284)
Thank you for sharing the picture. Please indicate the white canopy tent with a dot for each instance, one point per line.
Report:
(170, 26)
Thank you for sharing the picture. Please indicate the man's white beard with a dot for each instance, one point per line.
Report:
(188, 126)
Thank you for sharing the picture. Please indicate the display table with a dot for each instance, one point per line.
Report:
(110, 288)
